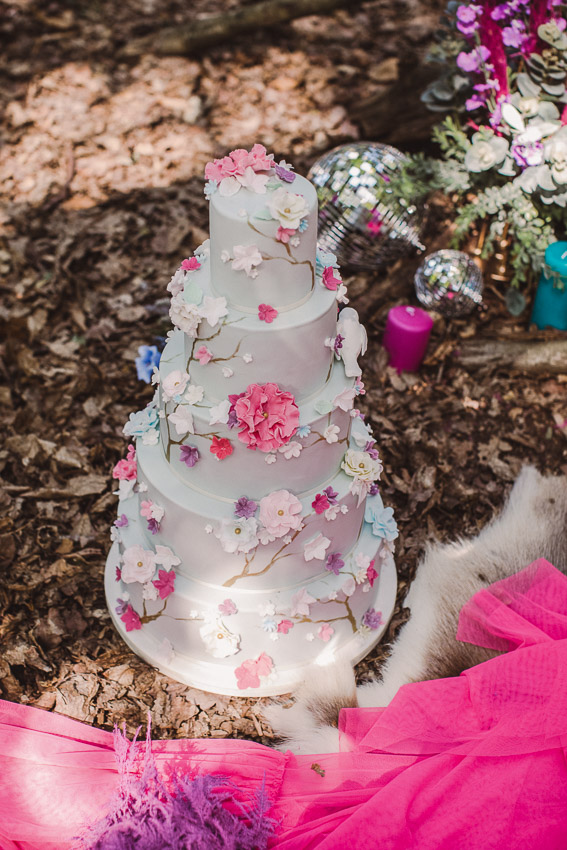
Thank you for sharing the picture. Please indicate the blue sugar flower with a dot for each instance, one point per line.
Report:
(210, 189)
(141, 421)
(381, 519)
(148, 358)
(303, 431)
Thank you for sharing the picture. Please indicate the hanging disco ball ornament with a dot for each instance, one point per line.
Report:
(449, 282)
(358, 221)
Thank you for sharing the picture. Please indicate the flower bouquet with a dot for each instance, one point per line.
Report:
(504, 143)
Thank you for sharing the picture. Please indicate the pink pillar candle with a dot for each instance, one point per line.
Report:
(406, 337)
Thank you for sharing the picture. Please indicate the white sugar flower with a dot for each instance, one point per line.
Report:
(253, 181)
(292, 449)
(245, 257)
(165, 557)
(177, 282)
(227, 372)
(267, 609)
(270, 458)
(150, 438)
(361, 466)
(219, 413)
(208, 529)
(182, 419)
(247, 358)
(194, 394)
(138, 564)
(225, 256)
(331, 433)
(288, 208)
(309, 636)
(300, 603)
(316, 548)
(265, 537)
(349, 586)
(332, 512)
(149, 591)
(219, 641)
(184, 316)
(345, 399)
(213, 309)
(361, 560)
(238, 535)
(174, 384)
(341, 294)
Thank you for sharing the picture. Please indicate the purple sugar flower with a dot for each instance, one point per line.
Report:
(189, 455)
(331, 495)
(232, 420)
(374, 490)
(338, 344)
(372, 618)
(153, 525)
(334, 563)
(121, 607)
(369, 449)
(121, 522)
(285, 174)
(245, 507)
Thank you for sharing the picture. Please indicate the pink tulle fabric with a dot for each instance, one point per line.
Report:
(476, 761)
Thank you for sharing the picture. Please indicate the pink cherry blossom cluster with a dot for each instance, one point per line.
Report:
(236, 163)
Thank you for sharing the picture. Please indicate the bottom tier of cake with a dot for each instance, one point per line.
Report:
(254, 642)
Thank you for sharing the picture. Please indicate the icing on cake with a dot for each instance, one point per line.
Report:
(251, 539)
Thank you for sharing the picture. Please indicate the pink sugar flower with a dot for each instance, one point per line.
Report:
(258, 158)
(221, 448)
(371, 574)
(213, 170)
(227, 608)
(320, 503)
(266, 313)
(203, 355)
(190, 264)
(329, 279)
(267, 417)
(146, 509)
(127, 468)
(325, 632)
(280, 513)
(131, 620)
(284, 626)
(284, 234)
(249, 672)
(165, 583)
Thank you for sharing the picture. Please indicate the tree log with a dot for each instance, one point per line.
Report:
(535, 358)
(398, 116)
(201, 33)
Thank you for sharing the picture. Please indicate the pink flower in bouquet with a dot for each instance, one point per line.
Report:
(127, 468)
(190, 264)
(284, 234)
(131, 620)
(266, 416)
(165, 583)
(329, 279)
(221, 448)
(280, 512)
(266, 313)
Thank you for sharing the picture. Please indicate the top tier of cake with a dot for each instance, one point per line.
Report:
(280, 223)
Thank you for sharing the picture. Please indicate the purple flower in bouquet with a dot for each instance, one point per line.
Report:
(527, 153)
(467, 19)
(245, 508)
(471, 63)
(515, 35)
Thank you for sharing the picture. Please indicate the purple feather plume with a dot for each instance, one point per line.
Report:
(201, 812)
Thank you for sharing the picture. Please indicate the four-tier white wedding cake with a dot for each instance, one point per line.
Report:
(251, 538)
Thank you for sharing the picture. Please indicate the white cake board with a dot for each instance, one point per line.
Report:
(211, 677)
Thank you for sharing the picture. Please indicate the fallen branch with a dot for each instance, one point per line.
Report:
(536, 358)
(201, 33)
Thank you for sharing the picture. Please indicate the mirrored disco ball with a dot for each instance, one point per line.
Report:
(449, 282)
(357, 221)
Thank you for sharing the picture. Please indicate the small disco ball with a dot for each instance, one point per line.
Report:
(449, 282)
(357, 221)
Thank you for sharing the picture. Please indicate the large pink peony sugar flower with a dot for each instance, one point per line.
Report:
(266, 416)
(280, 512)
